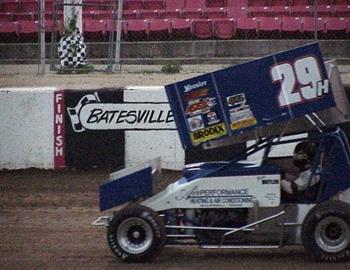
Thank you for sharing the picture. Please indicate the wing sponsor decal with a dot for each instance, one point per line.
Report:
(196, 94)
(200, 106)
(241, 116)
(196, 122)
(212, 118)
(91, 114)
(236, 99)
(199, 84)
(209, 133)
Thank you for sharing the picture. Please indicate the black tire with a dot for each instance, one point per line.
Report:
(136, 234)
(326, 232)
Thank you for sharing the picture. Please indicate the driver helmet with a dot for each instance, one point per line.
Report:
(304, 152)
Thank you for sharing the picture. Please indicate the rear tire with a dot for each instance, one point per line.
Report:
(326, 232)
(136, 234)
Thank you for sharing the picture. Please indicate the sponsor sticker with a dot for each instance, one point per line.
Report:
(212, 118)
(242, 118)
(209, 133)
(241, 115)
(196, 94)
(199, 84)
(270, 182)
(196, 123)
(200, 106)
(205, 197)
(236, 100)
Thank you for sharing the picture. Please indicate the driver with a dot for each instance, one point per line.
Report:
(304, 152)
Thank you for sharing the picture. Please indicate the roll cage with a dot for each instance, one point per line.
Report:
(332, 147)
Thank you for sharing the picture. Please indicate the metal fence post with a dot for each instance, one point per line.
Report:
(315, 19)
(53, 36)
(42, 53)
(110, 56)
(117, 66)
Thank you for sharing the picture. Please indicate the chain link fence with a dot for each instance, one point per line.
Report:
(158, 29)
(94, 35)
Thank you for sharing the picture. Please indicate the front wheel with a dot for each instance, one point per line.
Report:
(136, 234)
(326, 232)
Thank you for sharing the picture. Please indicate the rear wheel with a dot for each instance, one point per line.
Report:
(136, 234)
(326, 232)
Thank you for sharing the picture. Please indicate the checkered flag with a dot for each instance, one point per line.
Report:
(72, 51)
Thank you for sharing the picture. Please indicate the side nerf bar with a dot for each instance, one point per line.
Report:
(102, 221)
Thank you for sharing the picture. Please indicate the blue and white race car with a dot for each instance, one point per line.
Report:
(239, 203)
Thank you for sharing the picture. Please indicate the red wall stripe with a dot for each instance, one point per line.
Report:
(59, 130)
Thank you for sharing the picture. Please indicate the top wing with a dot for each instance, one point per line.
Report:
(236, 103)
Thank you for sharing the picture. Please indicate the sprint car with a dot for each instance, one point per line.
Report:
(238, 203)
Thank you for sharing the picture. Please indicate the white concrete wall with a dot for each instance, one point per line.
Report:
(26, 125)
(144, 145)
(27, 131)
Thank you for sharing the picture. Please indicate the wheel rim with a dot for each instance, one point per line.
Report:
(332, 234)
(135, 235)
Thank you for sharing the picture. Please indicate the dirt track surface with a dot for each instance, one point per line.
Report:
(45, 223)
(26, 76)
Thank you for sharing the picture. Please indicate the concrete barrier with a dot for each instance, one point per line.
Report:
(145, 143)
(26, 128)
(50, 128)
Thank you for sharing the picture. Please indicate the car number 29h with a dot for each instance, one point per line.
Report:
(300, 81)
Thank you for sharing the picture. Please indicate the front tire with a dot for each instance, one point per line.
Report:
(136, 234)
(326, 232)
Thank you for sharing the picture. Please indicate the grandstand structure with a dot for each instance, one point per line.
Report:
(175, 22)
